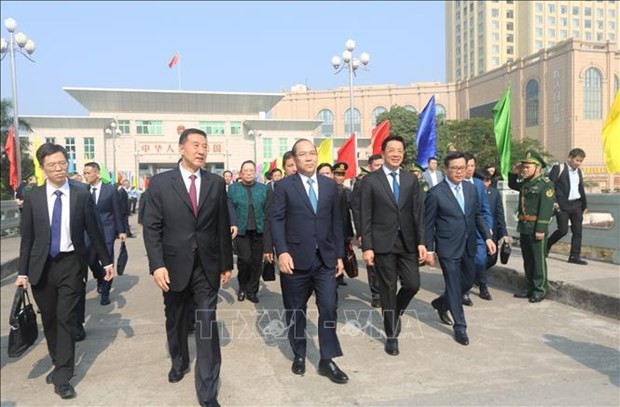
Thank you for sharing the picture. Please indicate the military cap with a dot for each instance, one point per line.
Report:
(340, 168)
(532, 157)
(415, 167)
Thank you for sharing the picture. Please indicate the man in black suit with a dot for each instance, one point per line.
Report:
(53, 255)
(453, 214)
(306, 231)
(392, 217)
(188, 242)
(500, 234)
(123, 191)
(571, 203)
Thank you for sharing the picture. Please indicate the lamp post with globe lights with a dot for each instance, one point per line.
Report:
(352, 63)
(112, 131)
(17, 43)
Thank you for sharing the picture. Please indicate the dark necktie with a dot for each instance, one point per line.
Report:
(56, 224)
(395, 186)
(459, 197)
(93, 193)
(192, 195)
(312, 195)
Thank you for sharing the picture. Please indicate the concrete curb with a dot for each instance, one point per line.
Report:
(9, 267)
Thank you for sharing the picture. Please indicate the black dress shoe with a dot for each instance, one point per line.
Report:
(65, 391)
(299, 365)
(210, 403)
(174, 376)
(536, 298)
(81, 333)
(484, 293)
(49, 379)
(461, 337)
(332, 371)
(577, 260)
(467, 301)
(105, 300)
(99, 287)
(443, 313)
(252, 298)
(521, 294)
(241, 296)
(375, 303)
(391, 346)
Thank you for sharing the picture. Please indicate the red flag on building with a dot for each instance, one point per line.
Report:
(11, 154)
(174, 60)
(379, 134)
(347, 154)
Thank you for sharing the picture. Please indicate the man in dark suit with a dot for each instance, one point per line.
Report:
(453, 214)
(344, 201)
(500, 233)
(306, 230)
(53, 255)
(111, 223)
(123, 192)
(571, 203)
(392, 216)
(188, 242)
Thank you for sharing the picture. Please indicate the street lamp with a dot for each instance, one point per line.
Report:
(113, 131)
(255, 135)
(17, 43)
(352, 63)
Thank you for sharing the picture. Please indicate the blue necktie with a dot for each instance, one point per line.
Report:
(312, 195)
(395, 186)
(459, 197)
(56, 222)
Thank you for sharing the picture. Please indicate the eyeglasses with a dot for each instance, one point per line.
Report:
(457, 169)
(59, 164)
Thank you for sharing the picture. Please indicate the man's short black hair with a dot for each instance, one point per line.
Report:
(228, 172)
(187, 132)
(392, 137)
(276, 170)
(49, 149)
(431, 159)
(93, 165)
(373, 158)
(577, 152)
(288, 155)
(323, 165)
(455, 155)
(469, 156)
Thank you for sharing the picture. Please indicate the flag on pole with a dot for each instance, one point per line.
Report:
(379, 134)
(611, 137)
(501, 125)
(105, 175)
(273, 165)
(38, 172)
(426, 136)
(347, 154)
(325, 152)
(259, 173)
(174, 60)
(11, 154)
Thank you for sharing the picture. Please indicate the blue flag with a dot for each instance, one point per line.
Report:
(426, 137)
(71, 169)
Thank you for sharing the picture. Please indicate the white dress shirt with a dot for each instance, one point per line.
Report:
(188, 182)
(573, 177)
(97, 192)
(315, 185)
(388, 173)
(433, 175)
(66, 245)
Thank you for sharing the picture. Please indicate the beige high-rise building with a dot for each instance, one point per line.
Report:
(484, 35)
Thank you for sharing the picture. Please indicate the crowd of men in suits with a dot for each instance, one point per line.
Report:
(303, 220)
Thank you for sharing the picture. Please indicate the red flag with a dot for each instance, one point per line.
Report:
(11, 154)
(347, 154)
(379, 134)
(273, 165)
(174, 60)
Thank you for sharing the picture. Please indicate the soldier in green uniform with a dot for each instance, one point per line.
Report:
(536, 198)
(416, 170)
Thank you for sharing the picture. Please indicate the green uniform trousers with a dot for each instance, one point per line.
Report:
(534, 263)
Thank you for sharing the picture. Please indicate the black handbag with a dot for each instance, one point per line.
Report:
(23, 320)
(121, 262)
(504, 253)
(269, 271)
(350, 261)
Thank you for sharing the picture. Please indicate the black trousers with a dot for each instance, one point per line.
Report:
(98, 273)
(574, 213)
(57, 294)
(249, 261)
(372, 281)
(458, 275)
(296, 290)
(401, 265)
(208, 355)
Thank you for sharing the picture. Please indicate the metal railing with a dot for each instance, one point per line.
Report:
(9, 218)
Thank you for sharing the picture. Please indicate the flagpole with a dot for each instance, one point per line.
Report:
(179, 69)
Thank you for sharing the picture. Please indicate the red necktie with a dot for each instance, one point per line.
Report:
(192, 195)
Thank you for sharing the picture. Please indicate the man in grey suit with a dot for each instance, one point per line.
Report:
(432, 175)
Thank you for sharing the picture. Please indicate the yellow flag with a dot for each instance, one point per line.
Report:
(38, 172)
(611, 137)
(325, 152)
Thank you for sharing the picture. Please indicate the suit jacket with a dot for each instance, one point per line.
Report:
(111, 212)
(497, 213)
(449, 232)
(381, 215)
(297, 230)
(427, 177)
(562, 186)
(356, 206)
(484, 204)
(344, 200)
(123, 198)
(172, 234)
(36, 231)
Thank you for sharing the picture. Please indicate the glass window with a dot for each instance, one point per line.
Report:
(495, 25)
(495, 49)
(282, 146)
(510, 26)
(612, 13)
(510, 38)
(551, 8)
(327, 117)
(538, 20)
(510, 14)
(551, 20)
(147, 127)
(611, 37)
(564, 22)
(599, 37)
(563, 34)
(89, 148)
(539, 32)
(267, 148)
(235, 128)
(495, 36)
(539, 7)
(551, 32)
(70, 147)
(563, 10)
(494, 12)
(51, 140)
(410, 108)
(495, 61)
(510, 50)
(575, 22)
(123, 126)
(576, 33)
(599, 13)
(612, 25)
(213, 128)
(531, 103)
(480, 15)
(588, 11)
(538, 45)
(588, 36)
(592, 95)
(357, 122)
(575, 10)
(375, 113)
(587, 23)
(440, 112)
(600, 24)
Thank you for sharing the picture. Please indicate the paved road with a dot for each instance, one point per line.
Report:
(520, 354)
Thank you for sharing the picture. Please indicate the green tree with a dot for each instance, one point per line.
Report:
(6, 120)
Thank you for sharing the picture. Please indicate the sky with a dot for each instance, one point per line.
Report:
(223, 46)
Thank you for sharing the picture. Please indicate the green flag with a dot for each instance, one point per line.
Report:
(105, 175)
(501, 126)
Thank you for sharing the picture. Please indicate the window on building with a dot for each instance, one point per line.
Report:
(70, 147)
(531, 103)
(588, 11)
(551, 33)
(611, 37)
(616, 83)
(611, 13)
(587, 24)
(440, 113)
(282, 146)
(550, 43)
(575, 23)
(612, 26)
(51, 140)
(495, 61)
(600, 13)
(458, 15)
(267, 148)
(510, 38)
(327, 117)
(357, 122)
(213, 128)
(563, 34)
(538, 7)
(592, 94)
(551, 20)
(599, 37)
(124, 126)
(495, 49)
(576, 34)
(588, 36)
(564, 22)
(538, 44)
(495, 37)
(480, 15)
(375, 113)
(539, 32)
(575, 10)
(235, 128)
(89, 148)
(510, 14)
(510, 50)
(149, 127)
(510, 26)
(538, 20)
(551, 8)
(410, 108)
(495, 24)
(600, 24)
(494, 12)
(563, 9)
